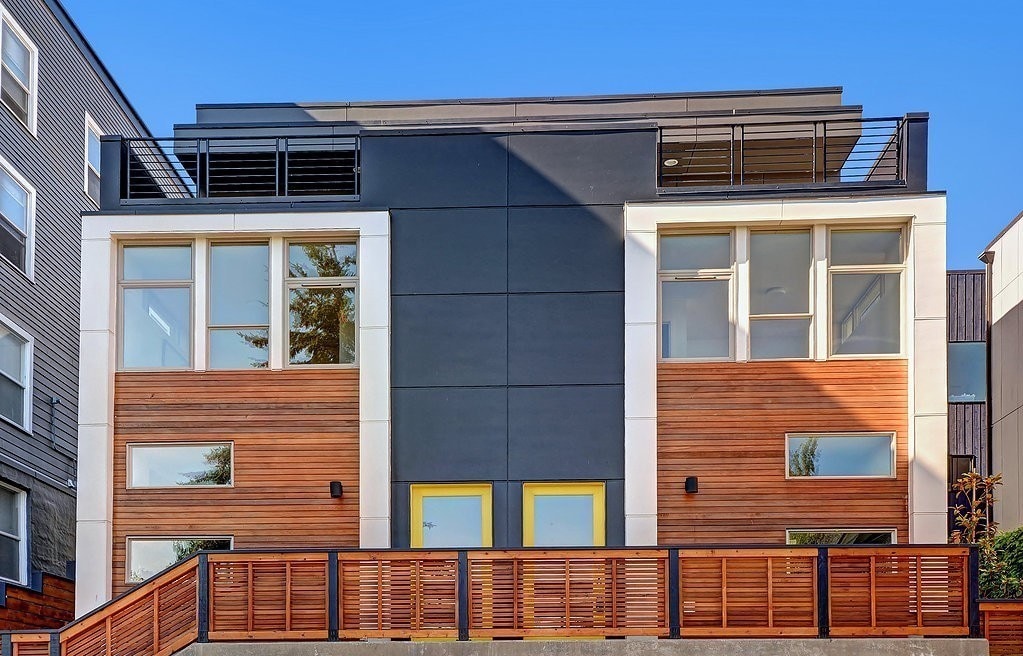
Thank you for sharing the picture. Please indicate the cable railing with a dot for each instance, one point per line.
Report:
(834, 151)
(739, 592)
(239, 168)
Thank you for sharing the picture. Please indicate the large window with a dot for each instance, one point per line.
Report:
(17, 71)
(451, 515)
(16, 208)
(780, 318)
(239, 307)
(13, 552)
(967, 372)
(321, 303)
(156, 306)
(92, 157)
(563, 515)
(866, 291)
(840, 537)
(15, 376)
(695, 288)
(148, 557)
(180, 465)
(849, 455)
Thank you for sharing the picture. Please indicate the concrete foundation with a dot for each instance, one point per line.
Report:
(639, 647)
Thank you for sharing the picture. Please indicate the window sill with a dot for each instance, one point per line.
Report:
(26, 429)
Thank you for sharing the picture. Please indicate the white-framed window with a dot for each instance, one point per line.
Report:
(155, 297)
(180, 465)
(148, 556)
(321, 284)
(15, 375)
(838, 537)
(92, 159)
(19, 63)
(13, 533)
(839, 455)
(865, 268)
(238, 314)
(17, 218)
(695, 280)
(799, 293)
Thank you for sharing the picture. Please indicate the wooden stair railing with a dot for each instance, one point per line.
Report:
(896, 591)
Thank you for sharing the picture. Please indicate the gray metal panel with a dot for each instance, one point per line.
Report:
(449, 340)
(566, 433)
(560, 249)
(449, 434)
(449, 251)
(566, 339)
(581, 168)
(434, 171)
(53, 162)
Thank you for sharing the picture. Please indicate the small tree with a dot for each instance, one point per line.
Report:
(975, 525)
(803, 461)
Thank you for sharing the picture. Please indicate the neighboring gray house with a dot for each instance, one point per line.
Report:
(56, 100)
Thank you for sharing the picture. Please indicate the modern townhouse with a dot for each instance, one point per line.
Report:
(56, 101)
(704, 318)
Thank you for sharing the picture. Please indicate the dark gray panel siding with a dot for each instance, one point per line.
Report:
(47, 308)
(508, 310)
(967, 315)
(968, 432)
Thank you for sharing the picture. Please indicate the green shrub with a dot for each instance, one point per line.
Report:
(1009, 546)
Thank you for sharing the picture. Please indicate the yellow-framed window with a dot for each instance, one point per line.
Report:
(563, 515)
(452, 515)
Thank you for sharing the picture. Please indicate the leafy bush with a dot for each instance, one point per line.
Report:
(1001, 555)
(1009, 546)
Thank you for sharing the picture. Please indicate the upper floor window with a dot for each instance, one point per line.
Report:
(967, 372)
(92, 152)
(15, 376)
(16, 220)
(156, 306)
(780, 317)
(866, 291)
(696, 296)
(17, 71)
(239, 307)
(13, 551)
(321, 303)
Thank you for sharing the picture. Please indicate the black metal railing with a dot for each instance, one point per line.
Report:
(838, 151)
(239, 167)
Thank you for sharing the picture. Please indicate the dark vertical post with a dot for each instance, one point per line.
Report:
(823, 619)
(55, 643)
(204, 598)
(358, 165)
(973, 578)
(463, 595)
(285, 165)
(333, 617)
(202, 171)
(6, 648)
(674, 606)
(914, 151)
(113, 171)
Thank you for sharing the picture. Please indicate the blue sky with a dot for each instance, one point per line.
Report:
(960, 61)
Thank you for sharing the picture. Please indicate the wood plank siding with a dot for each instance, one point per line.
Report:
(967, 310)
(725, 423)
(293, 433)
(50, 607)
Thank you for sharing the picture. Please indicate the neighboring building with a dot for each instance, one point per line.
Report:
(969, 445)
(1004, 260)
(628, 320)
(56, 100)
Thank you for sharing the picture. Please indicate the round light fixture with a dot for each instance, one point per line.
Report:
(671, 162)
(780, 291)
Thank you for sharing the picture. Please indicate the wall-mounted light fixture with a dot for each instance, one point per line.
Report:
(336, 490)
(692, 485)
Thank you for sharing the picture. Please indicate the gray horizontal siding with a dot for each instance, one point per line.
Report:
(48, 307)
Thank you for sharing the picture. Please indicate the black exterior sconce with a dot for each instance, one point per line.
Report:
(336, 490)
(692, 485)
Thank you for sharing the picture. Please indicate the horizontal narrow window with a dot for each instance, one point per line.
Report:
(837, 537)
(867, 455)
(967, 372)
(695, 252)
(180, 465)
(171, 262)
(148, 557)
(322, 260)
(866, 247)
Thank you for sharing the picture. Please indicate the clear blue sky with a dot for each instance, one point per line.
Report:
(960, 61)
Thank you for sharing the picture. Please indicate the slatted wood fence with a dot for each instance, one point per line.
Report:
(1003, 626)
(596, 593)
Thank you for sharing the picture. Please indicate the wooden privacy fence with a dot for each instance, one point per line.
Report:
(906, 590)
(1002, 621)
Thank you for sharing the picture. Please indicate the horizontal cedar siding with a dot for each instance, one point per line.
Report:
(293, 433)
(49, 608)
(726, 422)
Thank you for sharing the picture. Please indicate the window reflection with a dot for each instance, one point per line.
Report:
(840, 455)
(967, 372)
(148, 557)
(180, 465)
(836, 538)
